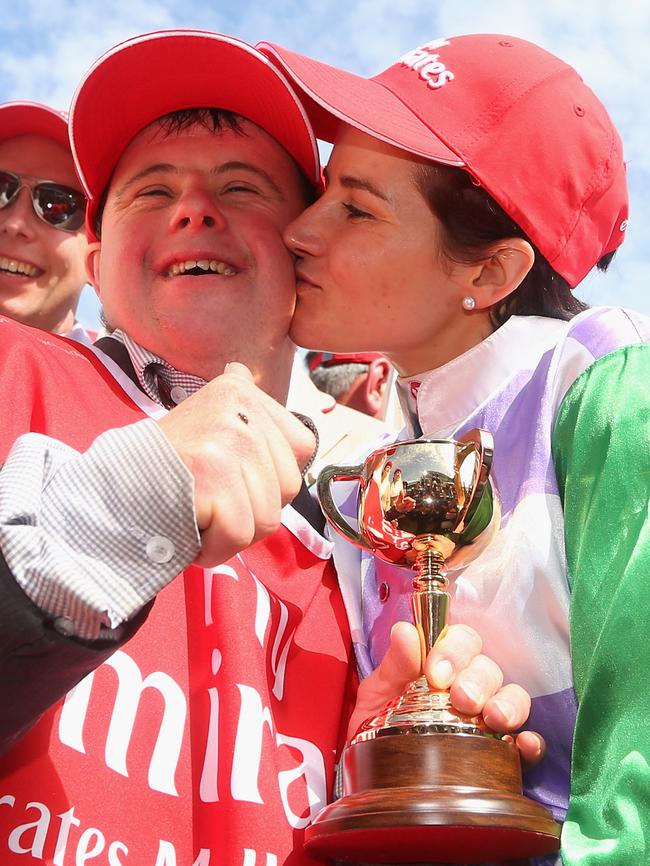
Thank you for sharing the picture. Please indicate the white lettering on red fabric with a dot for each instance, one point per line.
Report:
(426, 62)
(209, 574)
(264, 606)
(39, 827)
(114, 850)
(91, 843)
(312, 771)
(31, 838)
(208, 786)
(262, 617)
(250, 858)
(248, 746)
(254, 745)
(68, 820)
(166, 854)
(130, 686)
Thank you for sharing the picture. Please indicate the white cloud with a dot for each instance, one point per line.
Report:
(53, 44)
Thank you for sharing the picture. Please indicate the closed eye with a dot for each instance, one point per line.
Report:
(153, 191)
(356, 213)
(239, 187)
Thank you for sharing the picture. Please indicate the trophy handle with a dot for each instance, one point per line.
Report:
(483, 442)
(330, 509)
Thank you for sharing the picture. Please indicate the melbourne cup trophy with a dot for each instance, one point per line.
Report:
(423, 783)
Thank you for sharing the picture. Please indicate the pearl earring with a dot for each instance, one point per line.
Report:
(469, 303)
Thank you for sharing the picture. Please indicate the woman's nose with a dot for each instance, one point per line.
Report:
(302, 236)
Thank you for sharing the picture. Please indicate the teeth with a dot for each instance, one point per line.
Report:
(204, 264)
(16, 267)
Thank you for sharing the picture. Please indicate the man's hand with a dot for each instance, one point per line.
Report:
(455, 663)
(245, 452)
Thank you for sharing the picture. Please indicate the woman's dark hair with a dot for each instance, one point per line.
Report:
(473, 222)
(215, 120)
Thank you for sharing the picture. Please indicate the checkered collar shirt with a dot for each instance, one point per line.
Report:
(158, 379)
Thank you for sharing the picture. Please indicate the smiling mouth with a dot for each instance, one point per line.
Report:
(15, 266)
(200, 267)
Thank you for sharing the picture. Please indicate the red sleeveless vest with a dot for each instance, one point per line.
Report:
(209, 739)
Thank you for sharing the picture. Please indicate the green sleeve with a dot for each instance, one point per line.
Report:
(601, 450)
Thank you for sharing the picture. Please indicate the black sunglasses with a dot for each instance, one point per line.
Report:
(61, 207)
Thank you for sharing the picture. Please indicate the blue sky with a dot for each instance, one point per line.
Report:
(48, 45)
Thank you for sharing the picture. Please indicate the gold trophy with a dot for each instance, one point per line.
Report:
(423, 783)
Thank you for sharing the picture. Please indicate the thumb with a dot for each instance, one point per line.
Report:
(402, 662)
(234, 368)
(400, 665)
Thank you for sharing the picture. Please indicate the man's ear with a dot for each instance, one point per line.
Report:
(93, 256)
(376, 386)
(502, 273)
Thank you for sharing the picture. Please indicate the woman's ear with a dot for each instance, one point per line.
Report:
(93, 255)
(503, 272)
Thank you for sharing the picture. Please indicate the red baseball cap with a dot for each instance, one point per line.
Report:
(518, 119)
(148, 76)
(33, 118)
(333, 359)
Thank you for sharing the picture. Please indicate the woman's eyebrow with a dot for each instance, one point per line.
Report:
(350, 182)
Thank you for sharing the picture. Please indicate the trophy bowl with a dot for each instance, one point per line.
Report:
(423, 783)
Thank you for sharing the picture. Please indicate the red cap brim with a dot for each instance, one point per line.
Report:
(334, 95)
(33, 118)
(151, 75)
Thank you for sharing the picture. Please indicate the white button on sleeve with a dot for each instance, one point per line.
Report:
(178, 394)
(65, 626)
(160, 549)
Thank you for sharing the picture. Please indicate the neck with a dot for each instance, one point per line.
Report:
(65, 324)
(271, 370)
(439, 349)
(274, 374)
(56, 321)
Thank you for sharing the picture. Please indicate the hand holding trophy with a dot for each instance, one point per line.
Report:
(423, 783)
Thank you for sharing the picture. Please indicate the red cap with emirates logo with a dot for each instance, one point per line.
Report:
(516, 117)
(33, 118)
(146, 77)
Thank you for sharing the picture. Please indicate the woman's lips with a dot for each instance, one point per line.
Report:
(303, 283)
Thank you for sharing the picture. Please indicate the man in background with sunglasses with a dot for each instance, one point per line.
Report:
(42, 209)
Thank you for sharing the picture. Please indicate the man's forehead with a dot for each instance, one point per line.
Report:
(162, 143)
(38, 156)
(162, 131)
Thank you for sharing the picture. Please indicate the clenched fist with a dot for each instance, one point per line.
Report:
(245, 452)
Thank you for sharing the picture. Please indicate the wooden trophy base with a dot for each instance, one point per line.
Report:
(432, 798)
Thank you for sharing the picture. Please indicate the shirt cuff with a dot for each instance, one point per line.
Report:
(92, 537)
